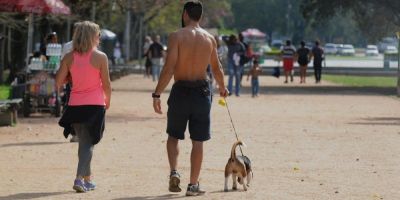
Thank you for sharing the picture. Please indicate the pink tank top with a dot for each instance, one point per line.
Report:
(86, 82)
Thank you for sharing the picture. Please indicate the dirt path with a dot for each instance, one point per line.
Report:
(305, 141)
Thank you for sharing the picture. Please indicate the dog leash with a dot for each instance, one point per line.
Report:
(233, 125)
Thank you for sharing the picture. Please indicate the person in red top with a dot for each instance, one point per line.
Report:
(288, 53)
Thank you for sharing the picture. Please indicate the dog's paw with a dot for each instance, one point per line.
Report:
(234, 188)
(225, 190)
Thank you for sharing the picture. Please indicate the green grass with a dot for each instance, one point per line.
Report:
(224, 31)
(362, 81)
(273, 52)
(332, 57)
(4, 92)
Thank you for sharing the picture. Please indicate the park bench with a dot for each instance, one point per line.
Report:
(8, 111)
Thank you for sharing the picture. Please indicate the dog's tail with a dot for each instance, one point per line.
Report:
(233, 151)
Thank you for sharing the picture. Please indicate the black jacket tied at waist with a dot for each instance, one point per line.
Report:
(92, 115)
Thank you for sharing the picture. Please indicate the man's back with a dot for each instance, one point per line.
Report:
(195, 46)
(288, 52)
(156, 50)
(318, 55)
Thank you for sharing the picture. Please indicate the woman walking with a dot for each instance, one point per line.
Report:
(303, 58)
(87, 68)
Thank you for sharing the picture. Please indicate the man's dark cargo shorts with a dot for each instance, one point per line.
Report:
(189, 102)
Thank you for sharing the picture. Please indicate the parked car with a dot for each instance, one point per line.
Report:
(277, 44)
(391, 50)
(347, 50)
(264, 49)
(339, 48)
(310, 45)
(330, 48)
(371, 50)
(385, 42)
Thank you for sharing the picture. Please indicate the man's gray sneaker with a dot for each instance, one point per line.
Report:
(174, 181)
(194, 190)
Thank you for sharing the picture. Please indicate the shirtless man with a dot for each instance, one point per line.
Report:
(190, 50)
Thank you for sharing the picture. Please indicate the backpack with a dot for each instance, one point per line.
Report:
(244, 58)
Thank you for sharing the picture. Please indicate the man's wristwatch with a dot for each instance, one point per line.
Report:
(156, 96)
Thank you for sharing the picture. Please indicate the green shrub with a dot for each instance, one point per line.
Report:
(4, 92)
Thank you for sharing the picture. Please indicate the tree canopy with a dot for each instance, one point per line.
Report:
(374, 18)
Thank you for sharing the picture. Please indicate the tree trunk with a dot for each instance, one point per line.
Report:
(140, 42)
(68, 29)
(3, 48)
(93, 11)
(135, 35)
(9, 36)
(398, 65)
(398, 69)
(30, 38)
(127, 34)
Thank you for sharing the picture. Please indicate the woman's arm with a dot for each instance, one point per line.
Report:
(62, 73)
(105, 79)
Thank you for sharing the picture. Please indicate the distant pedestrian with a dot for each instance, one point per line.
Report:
(235, 51)
(254, 72)
(303, 58)
(246, 57)
(156, 54)
(221, 50)
(117, 54)
(288, 53)
(318, 54)
(51, 38)
(146, 48)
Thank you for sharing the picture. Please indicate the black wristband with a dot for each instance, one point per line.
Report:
(154, 95)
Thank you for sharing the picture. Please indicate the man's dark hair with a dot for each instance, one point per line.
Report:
(255, 62)
(302, 43)
(288, 42)
(241, 38)
(50, 36)
(232, 39)
(316, 42)
(194, 9)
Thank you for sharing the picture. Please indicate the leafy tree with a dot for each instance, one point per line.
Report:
(375, 18)
(169, 18)
(268, 16)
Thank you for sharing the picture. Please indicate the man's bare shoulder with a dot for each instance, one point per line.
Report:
(177, 33)
(184, 31)
(206, 33)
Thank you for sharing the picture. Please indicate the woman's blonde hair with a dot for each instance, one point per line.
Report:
(83, 39)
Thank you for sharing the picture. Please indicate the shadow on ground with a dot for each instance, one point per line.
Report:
(328, 90)
(32, 195)
(302, 90)
(31, 144)
(378, 121)
(161, 197)
(126, 117)
(39, 119)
